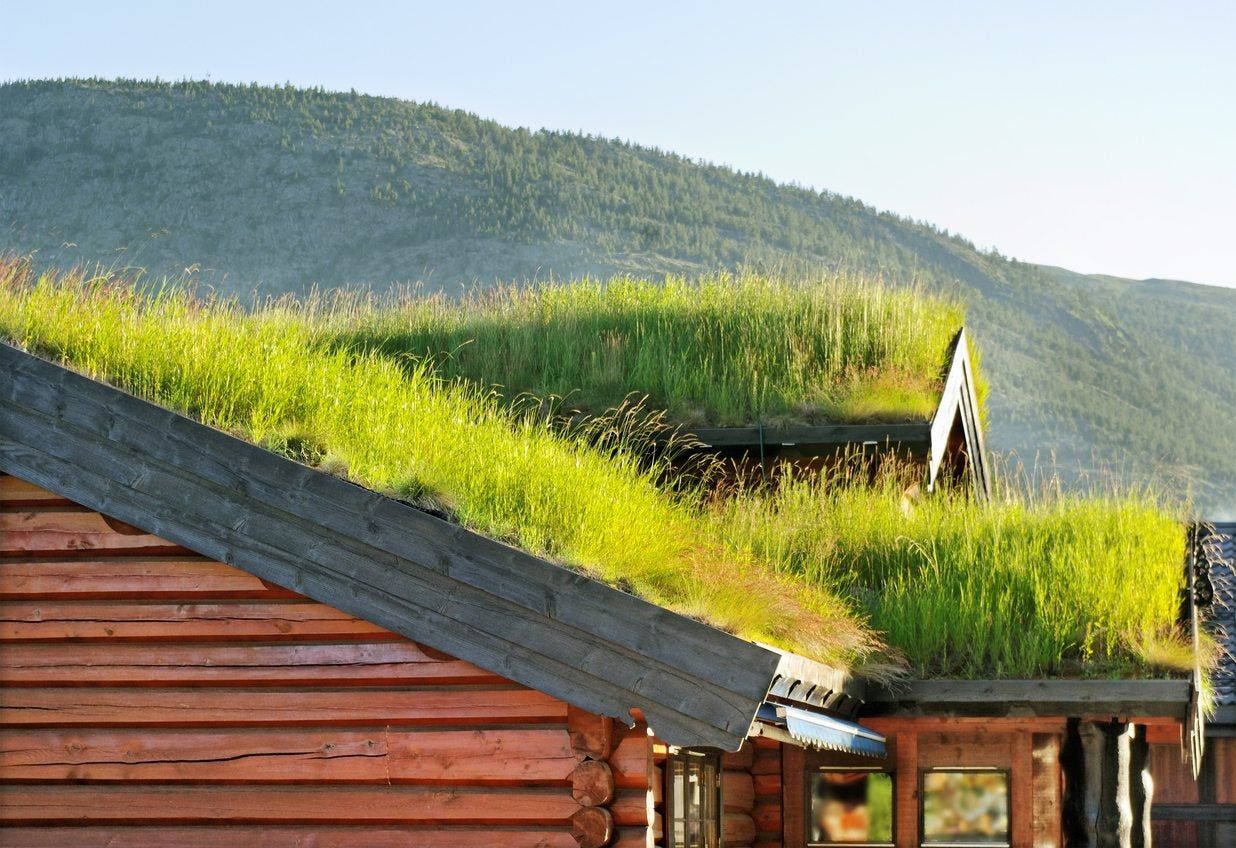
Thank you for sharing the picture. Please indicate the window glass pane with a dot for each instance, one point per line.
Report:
(851, 808)
(966, 806)
(693, 800)
(694, 791)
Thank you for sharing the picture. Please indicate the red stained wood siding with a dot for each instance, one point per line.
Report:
(151, 697)
(1188, 811)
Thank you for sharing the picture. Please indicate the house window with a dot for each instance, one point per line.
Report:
(849, 807)
(965, 807)
(693, 800)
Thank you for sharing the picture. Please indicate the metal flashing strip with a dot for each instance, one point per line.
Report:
(816, 730)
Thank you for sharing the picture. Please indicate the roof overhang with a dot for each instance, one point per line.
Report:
(1143, 701)
(504, 610)
(823, 732)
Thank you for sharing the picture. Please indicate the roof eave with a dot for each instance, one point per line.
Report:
(1129, 700)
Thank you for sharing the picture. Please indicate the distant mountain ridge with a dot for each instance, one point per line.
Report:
(280, 189)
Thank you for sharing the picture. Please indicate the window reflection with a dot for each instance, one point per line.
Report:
(965, 808)
(851, 808)
(694, 800)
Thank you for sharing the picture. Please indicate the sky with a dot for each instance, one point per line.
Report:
(1096, 136)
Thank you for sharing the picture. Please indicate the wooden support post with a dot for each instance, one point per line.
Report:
(1046, 803)
(793, 812)
(906, 825)
(1141, 787)
(1021, 790)
(1106, 803)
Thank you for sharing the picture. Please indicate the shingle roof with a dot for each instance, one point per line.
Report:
(1218, 546)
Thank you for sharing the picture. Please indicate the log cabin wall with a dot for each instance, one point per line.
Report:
(1193, 812)
(766, 766)
(750, 790)
(151, 697)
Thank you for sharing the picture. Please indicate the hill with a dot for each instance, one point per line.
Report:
(282, 189)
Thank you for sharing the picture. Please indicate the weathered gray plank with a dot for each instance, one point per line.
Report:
(239, 468)
(445, 615)
(978, 698)
(178, 494)
(511, 613)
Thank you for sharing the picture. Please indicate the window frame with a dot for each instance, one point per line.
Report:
(808, 797)
(922, 805)
(672, 816)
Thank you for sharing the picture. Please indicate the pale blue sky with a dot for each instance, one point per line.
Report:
(1098, 136)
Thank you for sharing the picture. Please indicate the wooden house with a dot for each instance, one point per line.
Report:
(947, 446)
(1200, 809)
(207, 644)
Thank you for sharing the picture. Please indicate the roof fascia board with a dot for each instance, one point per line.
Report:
(1131, 699)
(959, 399)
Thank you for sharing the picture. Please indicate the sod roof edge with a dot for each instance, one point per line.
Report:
(1098, 699)
(534, 622)
(514, 614)
(955, 428)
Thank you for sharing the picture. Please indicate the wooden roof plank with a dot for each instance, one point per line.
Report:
(537, 623)
(1130, 699)
(469, 625)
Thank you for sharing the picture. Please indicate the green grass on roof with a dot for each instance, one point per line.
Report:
(724, 351)
(850, 574)
(277, 378)
(1026, 586)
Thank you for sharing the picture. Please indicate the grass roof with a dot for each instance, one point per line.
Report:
(850, 574)
(724, 351)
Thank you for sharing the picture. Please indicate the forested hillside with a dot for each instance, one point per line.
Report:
(281, 189)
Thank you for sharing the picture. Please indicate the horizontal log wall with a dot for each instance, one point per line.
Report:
(766, 778)
(150, 697)
(1188, 811)
(738, 797)
(751, 790)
